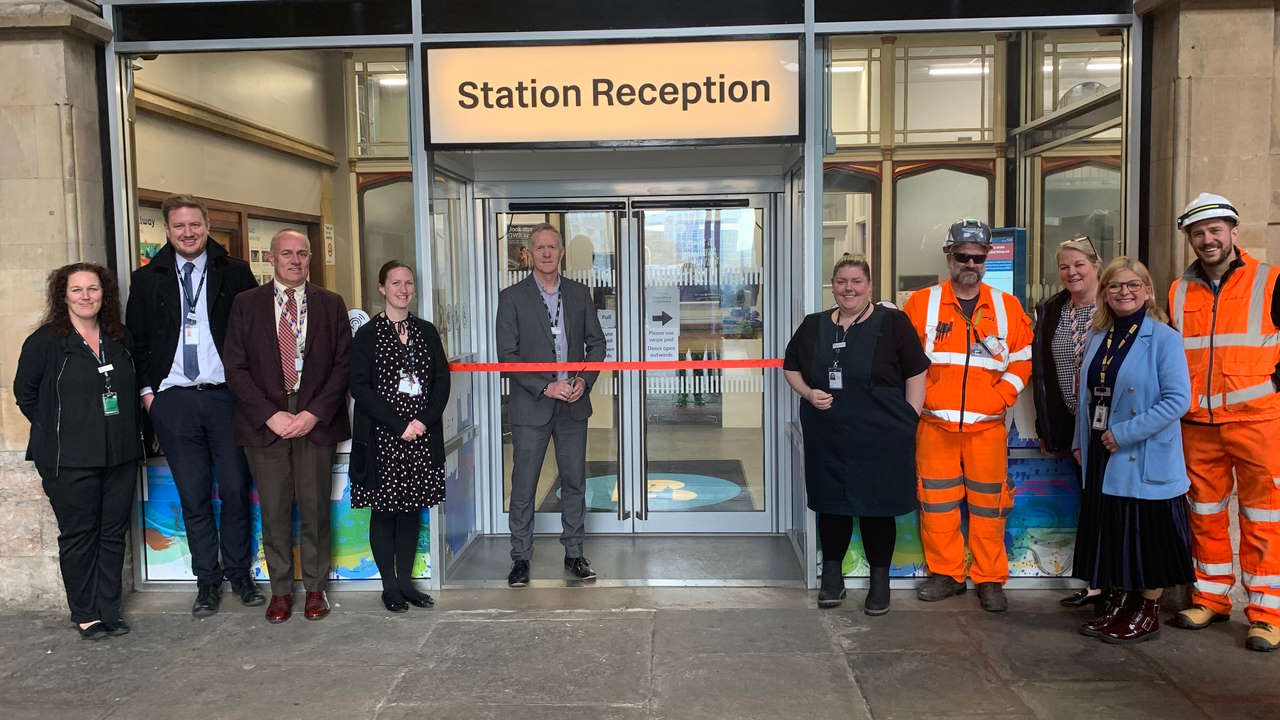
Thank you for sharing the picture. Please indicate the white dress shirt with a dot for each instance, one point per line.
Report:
(211, 371)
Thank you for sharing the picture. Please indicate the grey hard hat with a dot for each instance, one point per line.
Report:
(967, 231)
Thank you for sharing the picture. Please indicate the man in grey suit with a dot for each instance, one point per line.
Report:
(548, 318)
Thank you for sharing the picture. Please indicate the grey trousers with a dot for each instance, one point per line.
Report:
(529, 446)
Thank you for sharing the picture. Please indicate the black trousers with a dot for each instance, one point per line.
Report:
(194, 428)
(879, 535)
(93, 507)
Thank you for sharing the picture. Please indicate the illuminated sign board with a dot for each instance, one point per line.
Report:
(614, 94)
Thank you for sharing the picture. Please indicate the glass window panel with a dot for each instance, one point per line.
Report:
(451, 266)
(925, 206)
(1078, 200)
(834, 207)
(386, 233)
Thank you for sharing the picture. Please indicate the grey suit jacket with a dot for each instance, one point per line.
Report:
(524, 335)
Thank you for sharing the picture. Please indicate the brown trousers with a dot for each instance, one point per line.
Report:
(289, 471)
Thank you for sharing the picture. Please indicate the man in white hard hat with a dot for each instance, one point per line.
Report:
(1227, 307)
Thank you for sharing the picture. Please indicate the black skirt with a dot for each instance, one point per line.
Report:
(1129, 543)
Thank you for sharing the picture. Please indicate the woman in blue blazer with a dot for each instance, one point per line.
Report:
(1134, 385)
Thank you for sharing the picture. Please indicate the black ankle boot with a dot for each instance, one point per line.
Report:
(877, 602)
(831, 591)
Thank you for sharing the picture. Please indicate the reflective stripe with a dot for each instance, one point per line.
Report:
(1265, 600)
(1256, 295)
(1260, 390)
(1214, 568)
(1023, 354)
(1179, 301)
(940, 507)
(950, 358)
(1013, 380)
(954, 416)
(1260, 514)
(1212, 588)
(1209, 508)
(932, 484)
(931, 319)
(1249, 340)
(1002, 313)
(984, 487)
(988, 512)
(1271, 581)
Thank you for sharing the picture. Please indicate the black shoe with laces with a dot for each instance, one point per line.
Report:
(580, 568)
(248, 591)
(519, 575)
(208, 598)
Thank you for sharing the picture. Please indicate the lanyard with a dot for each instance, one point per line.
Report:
(972, 322)
(101, 358)
(555, 321)
(189, 299)
(1108, 354)
(409, 356)
(296, 321)
(843, 333)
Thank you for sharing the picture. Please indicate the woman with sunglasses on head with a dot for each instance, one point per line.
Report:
(1133, 387)
(76, 384)
(400, 383)
(1062, 322)
(860, 369)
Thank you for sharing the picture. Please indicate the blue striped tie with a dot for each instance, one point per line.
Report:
(190, 351)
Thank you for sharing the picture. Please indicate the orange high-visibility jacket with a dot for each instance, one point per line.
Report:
(1231, 340)
(967, 387)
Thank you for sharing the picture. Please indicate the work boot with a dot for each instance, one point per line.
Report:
(1112, 612)
(1263, 637)
(1198, 617)
(991, 597)
(1142, 623)
(877, 602)
(831, 591)
(939, 587)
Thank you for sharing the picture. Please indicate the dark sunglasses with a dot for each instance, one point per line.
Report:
(965, 258)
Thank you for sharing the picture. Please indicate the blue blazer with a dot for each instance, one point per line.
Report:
(1152, 390)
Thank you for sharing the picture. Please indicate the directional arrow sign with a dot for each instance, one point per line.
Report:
(662, 336)
(663, 318)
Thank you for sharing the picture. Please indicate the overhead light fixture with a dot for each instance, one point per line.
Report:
(1103, 64)
(958, 70)
(393, 81)
(847, 68)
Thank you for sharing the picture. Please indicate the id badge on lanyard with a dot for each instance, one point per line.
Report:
(835, 378)
(190, 330)
(1102, 410)
(409, 384)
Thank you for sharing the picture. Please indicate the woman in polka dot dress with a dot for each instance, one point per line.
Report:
(400, 382)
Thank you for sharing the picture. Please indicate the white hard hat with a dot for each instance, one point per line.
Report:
(1206, 206)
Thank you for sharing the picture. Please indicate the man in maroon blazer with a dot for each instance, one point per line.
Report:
(286, 357)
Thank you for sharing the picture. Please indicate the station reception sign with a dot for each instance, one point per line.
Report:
(613, 94)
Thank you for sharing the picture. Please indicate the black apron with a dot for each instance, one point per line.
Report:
(859, 454)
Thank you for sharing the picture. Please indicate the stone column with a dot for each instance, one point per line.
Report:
(51, 213)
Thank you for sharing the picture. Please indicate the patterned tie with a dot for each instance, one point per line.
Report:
(190, 352)
(288, 341)
(1079, 329)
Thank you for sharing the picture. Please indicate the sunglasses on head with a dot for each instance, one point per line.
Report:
(965, 258)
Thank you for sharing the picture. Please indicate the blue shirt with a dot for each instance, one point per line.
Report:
(555, 315)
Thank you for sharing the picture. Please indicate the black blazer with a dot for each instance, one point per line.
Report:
(373, 410)
(154, 312)
(1055, 424)
(36, 388)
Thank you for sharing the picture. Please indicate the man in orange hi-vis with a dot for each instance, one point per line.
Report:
(1227, 307)
(979, 341)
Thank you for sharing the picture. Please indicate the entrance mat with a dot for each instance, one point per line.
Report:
(674, 485)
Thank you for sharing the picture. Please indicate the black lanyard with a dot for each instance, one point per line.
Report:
(100, 357)
(409, 354)
(842, 334)
(1108, 353)
(189, 299)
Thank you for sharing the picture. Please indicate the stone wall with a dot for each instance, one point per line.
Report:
(51, 213)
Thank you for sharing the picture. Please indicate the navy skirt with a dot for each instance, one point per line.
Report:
(1128, 543)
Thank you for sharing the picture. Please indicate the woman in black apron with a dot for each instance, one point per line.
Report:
(860, 370)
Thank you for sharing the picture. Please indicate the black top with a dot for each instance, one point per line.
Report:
(373, 409)
(1055, 423)
(898, 354)
(154, 311)
(59, 390)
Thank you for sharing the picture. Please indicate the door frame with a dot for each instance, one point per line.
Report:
(631, 518)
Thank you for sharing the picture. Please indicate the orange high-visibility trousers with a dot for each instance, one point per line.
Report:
(954, 467)
(1252, 450)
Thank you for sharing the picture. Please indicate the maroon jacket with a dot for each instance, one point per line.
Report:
(251, 357)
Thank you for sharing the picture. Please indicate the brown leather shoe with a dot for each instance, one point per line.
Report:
(317, 607)
(280, 608)
(1112, 612)
(1143, 623)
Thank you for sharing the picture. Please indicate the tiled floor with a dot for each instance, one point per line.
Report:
(626, 653)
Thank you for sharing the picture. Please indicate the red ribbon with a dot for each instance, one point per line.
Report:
(541, 367)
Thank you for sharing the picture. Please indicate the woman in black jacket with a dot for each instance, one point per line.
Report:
(76, 384)
(400, 382)
(1062, 322)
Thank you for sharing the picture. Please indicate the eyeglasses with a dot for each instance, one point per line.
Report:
(966, 258)
(1079, 244)
(1133, 286)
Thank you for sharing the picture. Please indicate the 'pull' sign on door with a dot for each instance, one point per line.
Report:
(650, 93)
